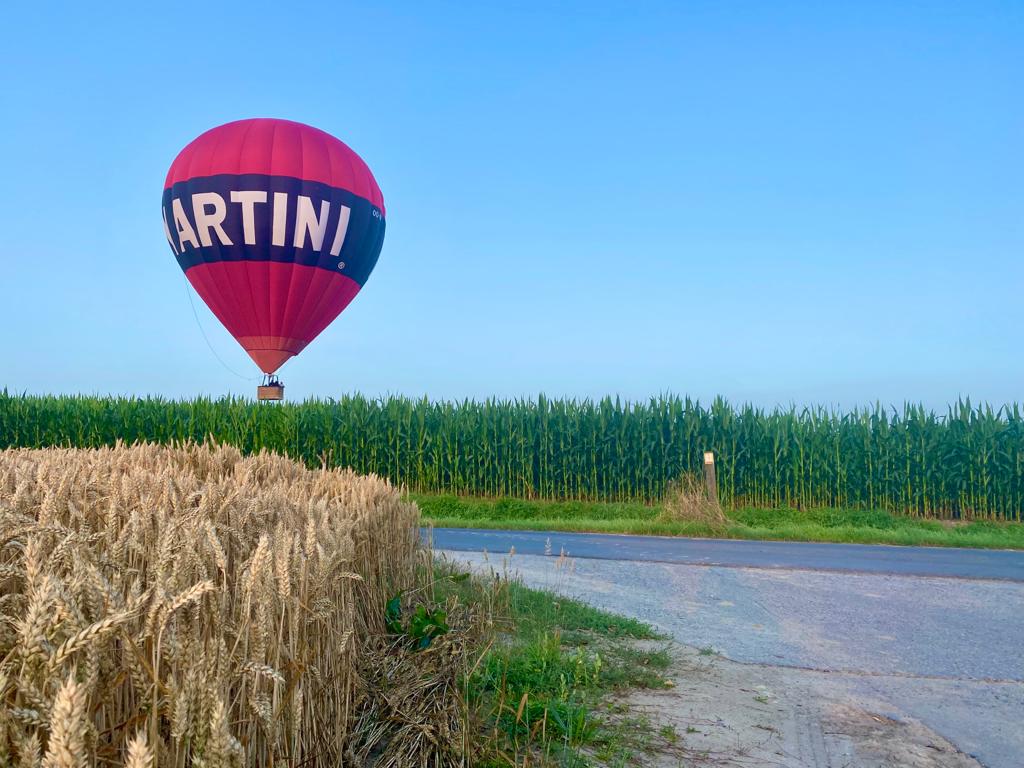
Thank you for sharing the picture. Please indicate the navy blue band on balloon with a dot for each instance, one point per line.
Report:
(364, 235)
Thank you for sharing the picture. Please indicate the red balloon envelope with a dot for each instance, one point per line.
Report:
(277, 225)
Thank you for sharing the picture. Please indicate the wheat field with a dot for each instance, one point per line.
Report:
(186, 605)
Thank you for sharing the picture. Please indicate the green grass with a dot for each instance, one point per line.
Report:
(535, 612)
(540, 689)
(836, 525)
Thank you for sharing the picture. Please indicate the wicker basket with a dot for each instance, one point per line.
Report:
(270, 392)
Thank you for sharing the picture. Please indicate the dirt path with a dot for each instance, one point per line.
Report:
(729, 714)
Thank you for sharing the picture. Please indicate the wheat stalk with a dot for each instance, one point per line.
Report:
(139, 755)
(66, 747)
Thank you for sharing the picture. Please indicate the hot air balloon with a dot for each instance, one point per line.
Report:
(277, 225)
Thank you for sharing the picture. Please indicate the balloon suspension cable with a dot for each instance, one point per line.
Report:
(199, 325)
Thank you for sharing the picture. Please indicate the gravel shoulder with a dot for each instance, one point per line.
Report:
(808, 668)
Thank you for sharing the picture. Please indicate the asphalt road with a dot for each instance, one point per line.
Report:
(1003, 565)
(942, 648)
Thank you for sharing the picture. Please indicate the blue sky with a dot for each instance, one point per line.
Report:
(777, 202)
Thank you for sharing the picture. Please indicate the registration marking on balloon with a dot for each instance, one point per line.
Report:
(277, 226)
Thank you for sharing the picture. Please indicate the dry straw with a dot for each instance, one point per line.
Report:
(686, 500)
(188, 606)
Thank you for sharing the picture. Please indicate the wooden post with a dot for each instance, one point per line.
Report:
(709, 476)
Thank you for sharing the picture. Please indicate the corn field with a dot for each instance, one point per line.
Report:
(967, 462)
(188, 606)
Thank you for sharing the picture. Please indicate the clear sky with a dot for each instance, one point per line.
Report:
(792, 202)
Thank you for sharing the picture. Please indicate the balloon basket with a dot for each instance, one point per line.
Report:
(270, 389)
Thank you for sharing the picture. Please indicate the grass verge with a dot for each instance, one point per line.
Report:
(826, 525)
(538, 692)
